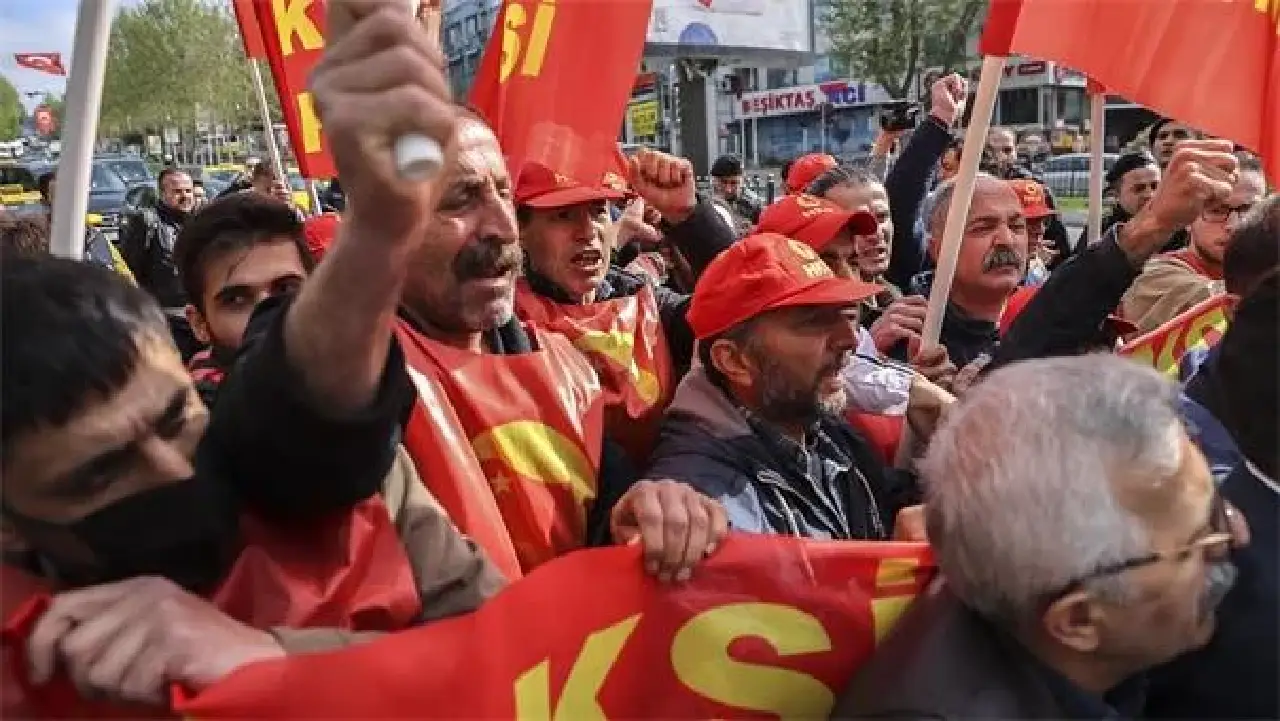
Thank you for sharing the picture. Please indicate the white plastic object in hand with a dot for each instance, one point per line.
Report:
(418, 157)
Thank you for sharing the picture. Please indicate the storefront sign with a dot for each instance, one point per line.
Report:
(643, 118)
(808, 98)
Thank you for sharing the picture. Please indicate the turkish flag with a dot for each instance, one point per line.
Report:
(250, 30)
(555, 80)
(44, 62)
(1214, 64)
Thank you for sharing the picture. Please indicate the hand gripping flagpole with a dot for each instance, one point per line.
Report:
(83, 102)
(1097, 138)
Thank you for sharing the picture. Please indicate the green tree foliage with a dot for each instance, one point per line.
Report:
(891, 41)
(11, 111)
(170, 60)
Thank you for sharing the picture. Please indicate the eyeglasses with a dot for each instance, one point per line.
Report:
(1220, 213)
(1214, 544)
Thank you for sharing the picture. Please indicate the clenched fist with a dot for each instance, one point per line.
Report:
(665, 182)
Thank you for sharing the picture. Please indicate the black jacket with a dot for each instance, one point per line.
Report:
(907, 184)
(147, 241)
(1235, 675)
(943, 661)
(965, 338)
(1065, 315)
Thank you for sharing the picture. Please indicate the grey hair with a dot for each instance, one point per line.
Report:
(1020, 479)
(938, 203)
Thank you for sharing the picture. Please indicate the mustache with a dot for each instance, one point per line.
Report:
(487, 257)
(1002, 256)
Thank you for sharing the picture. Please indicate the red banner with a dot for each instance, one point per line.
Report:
(555, 81)
(250, 30)
(626, 344)
(1214, 64)
(293, 40)
(1198, 327)
(768, 627)
(44, 62)
(509, 444)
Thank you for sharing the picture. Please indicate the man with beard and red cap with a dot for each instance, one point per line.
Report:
(879, 392)
(757, 425)
(505, 420)
(633, 331)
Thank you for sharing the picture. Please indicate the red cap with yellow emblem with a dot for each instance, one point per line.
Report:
(765, 272)
(1031, 194)
(813, 220)
(541, 187)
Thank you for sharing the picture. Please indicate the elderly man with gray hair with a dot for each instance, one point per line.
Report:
(1081, 542)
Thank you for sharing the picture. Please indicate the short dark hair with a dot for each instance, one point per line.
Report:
(1254, 250)
(840, 175)
(73, 341)
(263, 169)
(45, 181)
(230, 224)
(165, 174)
(726, 166)
(1246, 365)
(24, 236)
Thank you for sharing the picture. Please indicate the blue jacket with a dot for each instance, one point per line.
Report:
(708, 443)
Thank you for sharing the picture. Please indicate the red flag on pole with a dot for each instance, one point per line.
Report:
(44, 62)
(1214, 64)
(250, 30)
(555, 80)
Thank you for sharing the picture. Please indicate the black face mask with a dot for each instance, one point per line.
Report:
(187, 532)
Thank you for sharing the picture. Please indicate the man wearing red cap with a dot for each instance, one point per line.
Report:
(1035, 208)
(756, 425)
(806, 169)
(632, 330)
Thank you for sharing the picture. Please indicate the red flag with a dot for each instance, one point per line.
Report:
(1214, 64)
(1200, 327)
(555, 80)
(292, 32)
(250, 30)
(44, 62)
(768, 627)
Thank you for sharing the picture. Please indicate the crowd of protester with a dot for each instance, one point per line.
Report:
(237, 383)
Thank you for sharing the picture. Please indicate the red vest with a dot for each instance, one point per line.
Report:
(509, 444)
(350, 572)
(624, 340)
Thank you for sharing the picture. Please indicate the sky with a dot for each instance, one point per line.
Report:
(38, 26)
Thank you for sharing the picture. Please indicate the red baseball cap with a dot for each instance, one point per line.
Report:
(541, 187)
(764, 272)
(813, 220)
(1031, 194)
(806, 169)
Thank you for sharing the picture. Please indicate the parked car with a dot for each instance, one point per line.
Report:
(133, 171)
(1068, 175)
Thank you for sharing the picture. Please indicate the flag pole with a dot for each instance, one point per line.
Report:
(268, 129)
(975, 140)
(1097, 139)
(83, 103)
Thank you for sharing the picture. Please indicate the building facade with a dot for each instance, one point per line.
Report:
(465, 26)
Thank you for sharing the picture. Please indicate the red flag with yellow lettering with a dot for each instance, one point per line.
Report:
(555, 80)
(768, 627)
(1214, 64)
(250, 31)
(1197, 328)
(293, 39)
